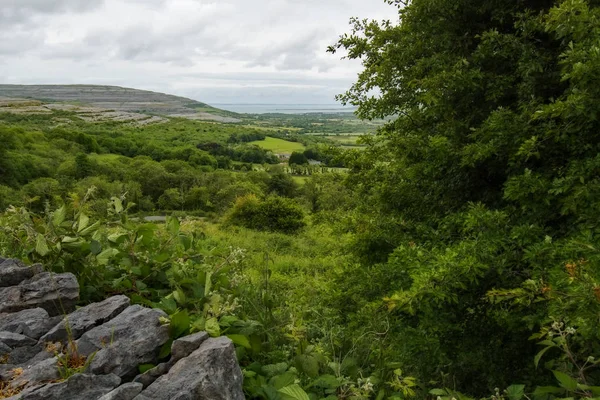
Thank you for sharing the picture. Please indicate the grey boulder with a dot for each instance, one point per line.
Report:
(79, 386)
(209, 373)
(185, 346)
(132, 338)
(44, 371)
(33, 322)
(85, 318)
(16, 339)
(55, 293)
(126, 391)
(13, 272)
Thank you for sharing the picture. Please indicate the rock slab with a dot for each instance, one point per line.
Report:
(209, 373)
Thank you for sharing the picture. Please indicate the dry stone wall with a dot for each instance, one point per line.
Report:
(41, 330)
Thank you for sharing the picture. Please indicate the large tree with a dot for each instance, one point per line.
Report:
(481, 195)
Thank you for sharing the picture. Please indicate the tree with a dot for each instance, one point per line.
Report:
(83, 166)
(171, 199)
(480, 186)
(298, 158)
(282, 184)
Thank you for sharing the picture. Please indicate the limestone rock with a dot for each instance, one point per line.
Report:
(4, 349)
(132, 338)
(185, 346)
(209, 373)
(55, 293)
(13, 340)
(33, 322)
(79, 386)
(126, 391)
(86, 318)
(44, 371)
(148, 377)
(13, 272)
(21, 355)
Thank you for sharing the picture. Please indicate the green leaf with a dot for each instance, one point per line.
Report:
(41, 246)
(308, 364)
(180, 323)
(179, 297)
(438, 392)
(104, 257)
(165, 350)
(207, 283)
(212, 327)
(565, 380)
(281, 381)
(91, 229)
(538, 356)
(293, 392)
(240, 340)
(84, 221)
(58, 217)
(173, 225)
(145, 367)
(95, 247)
(543, 391)
(117, 204)
(515, 392)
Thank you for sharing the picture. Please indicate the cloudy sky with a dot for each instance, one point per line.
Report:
(216, 51)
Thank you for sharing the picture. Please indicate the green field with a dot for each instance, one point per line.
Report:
(279, 145)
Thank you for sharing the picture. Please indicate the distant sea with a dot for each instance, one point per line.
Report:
(283, 108)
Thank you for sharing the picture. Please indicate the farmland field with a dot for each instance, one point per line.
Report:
(279, 145)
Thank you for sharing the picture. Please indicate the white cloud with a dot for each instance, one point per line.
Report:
(214, 51)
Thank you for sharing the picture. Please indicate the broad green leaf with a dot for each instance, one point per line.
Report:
(281, 381)
(307, 364)
(59, 215)
(179, 297)
(180, 323)
(41, 246)
(104, 257)
(240, 340)
(168, 305)
(438, 392)
(84, 221)
(538, 356)
(173, 225)
(293, 392)
(165, 350)
(515, 392)
(95, 247)
(542, 391)
(117, 204)
(91, 229)
(565, 380)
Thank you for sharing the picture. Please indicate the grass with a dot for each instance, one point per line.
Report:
(279, 145)
(300, 180)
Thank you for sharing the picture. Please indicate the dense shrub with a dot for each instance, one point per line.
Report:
(275, 214)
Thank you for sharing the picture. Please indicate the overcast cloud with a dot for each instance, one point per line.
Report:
(228, 51)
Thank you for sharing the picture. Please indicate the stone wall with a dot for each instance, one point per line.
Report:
(44, 338)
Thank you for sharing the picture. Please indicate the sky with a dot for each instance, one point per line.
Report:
(220, 51)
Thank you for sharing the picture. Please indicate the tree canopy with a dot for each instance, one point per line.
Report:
(479, 219)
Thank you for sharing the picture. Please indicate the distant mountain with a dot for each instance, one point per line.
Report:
(120, 99)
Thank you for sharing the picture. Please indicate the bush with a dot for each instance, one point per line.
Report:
(275, 214)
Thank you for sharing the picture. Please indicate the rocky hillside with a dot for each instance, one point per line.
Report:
(118, 99)
(108, 350)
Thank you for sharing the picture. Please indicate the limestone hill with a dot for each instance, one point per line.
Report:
(118, 99)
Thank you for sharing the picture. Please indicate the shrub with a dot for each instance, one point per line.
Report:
(275, 214)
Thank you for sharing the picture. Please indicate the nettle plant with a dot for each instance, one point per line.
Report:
(159, 266)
